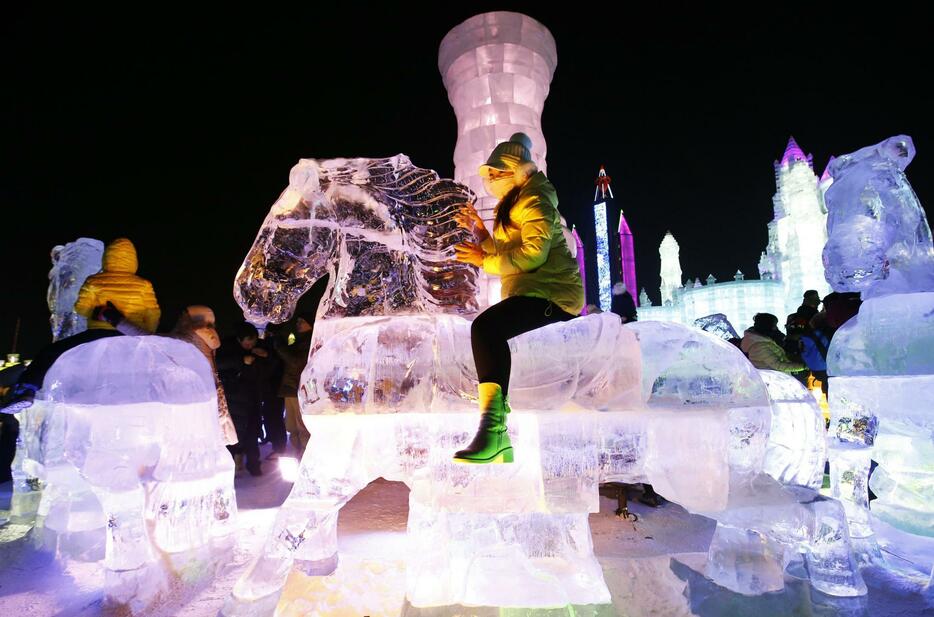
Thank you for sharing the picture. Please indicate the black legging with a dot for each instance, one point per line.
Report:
(501, 322)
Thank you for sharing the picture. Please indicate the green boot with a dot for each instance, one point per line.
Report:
(491, 443)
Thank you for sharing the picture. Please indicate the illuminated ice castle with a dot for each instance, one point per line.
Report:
(790, 264)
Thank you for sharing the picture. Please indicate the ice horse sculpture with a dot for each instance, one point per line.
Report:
(72, 263)
(387, 389)
(121, 484)
(879, 241)
(882, 361)
(382, 229)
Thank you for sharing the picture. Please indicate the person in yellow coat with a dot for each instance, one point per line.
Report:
(117, 283)
(541, 283)
(114, 300)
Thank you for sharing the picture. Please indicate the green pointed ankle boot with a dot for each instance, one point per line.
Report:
(491, 443)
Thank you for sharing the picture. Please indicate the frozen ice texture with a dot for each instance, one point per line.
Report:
(389, 391)
(382, 229)
(388, 398)
(879, 241)
(797, 443)
(117, 472)
(766, 528)
(497, 69)
(377, 365)
(881, 364)
(798, 231)
(718, 325)
(529, 518)
(892, 335)
(684, 366)
(72, 263)
(887, 419)
(763, 526)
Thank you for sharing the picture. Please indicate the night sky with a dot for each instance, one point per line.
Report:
(178, 130)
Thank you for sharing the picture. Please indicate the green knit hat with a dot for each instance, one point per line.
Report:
(509, 155)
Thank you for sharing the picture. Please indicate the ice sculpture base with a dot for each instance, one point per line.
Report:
(116, 480)
(473, 526)
(797, 446)
(767, 528)
(681, 409)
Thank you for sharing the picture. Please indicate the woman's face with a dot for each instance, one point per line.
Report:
(498, 183)
(203, 325)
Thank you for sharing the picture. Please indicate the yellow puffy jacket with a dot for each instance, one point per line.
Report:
(117, 282)
(531, 255)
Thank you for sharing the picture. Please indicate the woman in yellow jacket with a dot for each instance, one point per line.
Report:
(541, 283)
(115, 290)
(118, 284)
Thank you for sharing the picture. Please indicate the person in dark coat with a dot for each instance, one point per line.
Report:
(237, 367)
(294, 357)
(270, 368)
(623, 304)
(9, 425)
(814, 344)
(841, 307)
(810, 304)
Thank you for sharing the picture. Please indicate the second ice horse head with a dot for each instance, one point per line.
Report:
(382, 229)
(879, 241)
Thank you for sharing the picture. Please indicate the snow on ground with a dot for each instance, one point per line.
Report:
(651, 567)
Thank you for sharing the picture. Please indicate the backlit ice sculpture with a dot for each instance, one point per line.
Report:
(881, 362)
(121, 484)
(497, 69)
(718, 325)
(387, 392)
(71, 264)
(797, 446)
(764, 527)
(383, 230)
(879, 241)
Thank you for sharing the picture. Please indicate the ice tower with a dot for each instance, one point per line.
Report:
(627, 254)
(798, 232)
(671, 267)
(497, 69)
(605, 270)
(616, 257)
(791, 264)
(581, 263)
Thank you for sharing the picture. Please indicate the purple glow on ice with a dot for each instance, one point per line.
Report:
(826, 175)
(581, 265)
(793, 152)
(628, 256)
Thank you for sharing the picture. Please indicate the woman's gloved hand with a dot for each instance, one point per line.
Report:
(468, 218)
(469, 253)
(109, 313)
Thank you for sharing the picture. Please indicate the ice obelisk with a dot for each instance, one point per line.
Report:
(497, 69)
(627, 253)
(581, 264)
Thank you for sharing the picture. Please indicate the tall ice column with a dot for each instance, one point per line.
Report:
(497, 69)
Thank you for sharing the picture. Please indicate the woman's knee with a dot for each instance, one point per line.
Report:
(483, 327)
